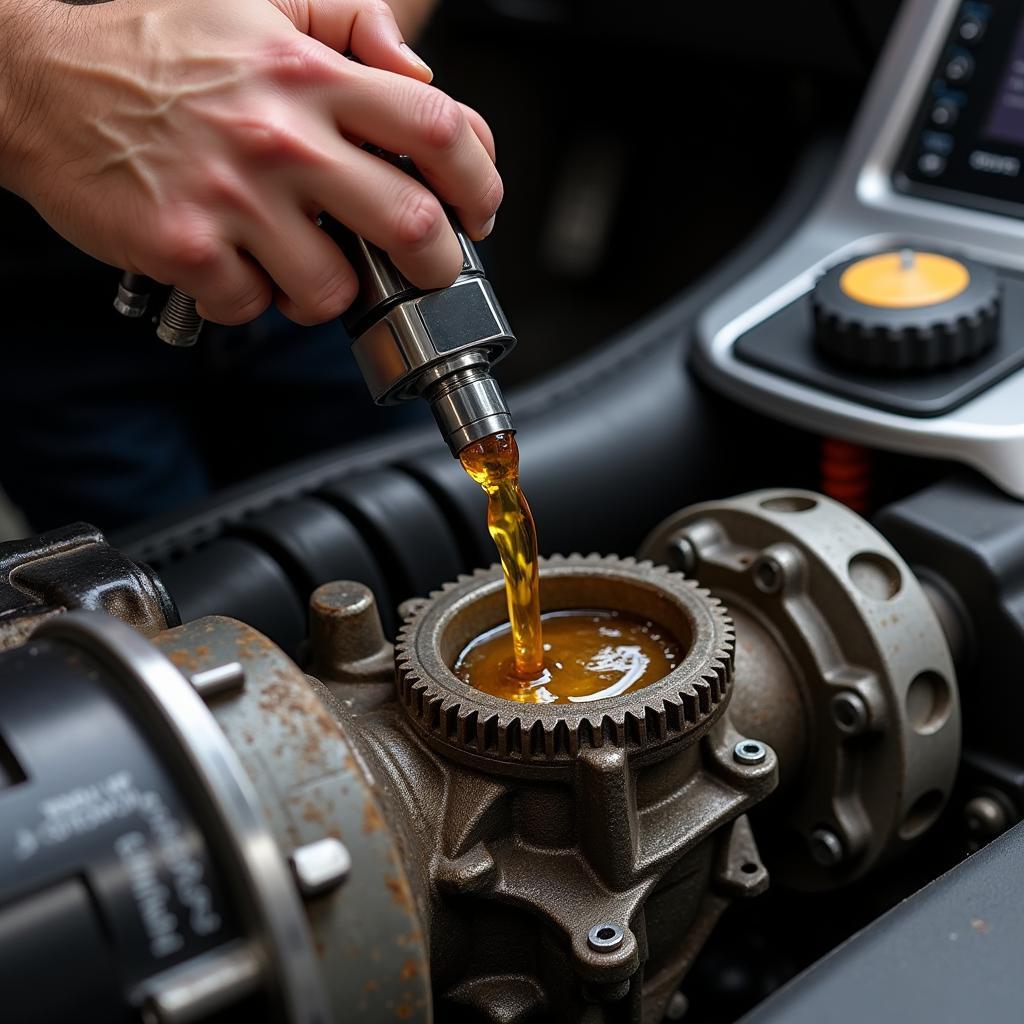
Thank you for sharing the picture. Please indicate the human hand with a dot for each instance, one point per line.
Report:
(196, 143)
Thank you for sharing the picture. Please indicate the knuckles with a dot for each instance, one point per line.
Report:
(243, 308)
(268, 136)
(183, 245)
(418, 218)
(302, 62)
(439, 119)
(328, 301)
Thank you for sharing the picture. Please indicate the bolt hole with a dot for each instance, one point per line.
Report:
(750, 868)
(875, 576)
(789, 503)
(922, 814)
(846, 715)
(752, 749)
(929, 703)
(767, 576)
(606, 933)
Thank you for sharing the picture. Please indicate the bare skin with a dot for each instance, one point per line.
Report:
(196, 142)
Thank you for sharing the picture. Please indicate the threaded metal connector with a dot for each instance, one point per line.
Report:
(180, 323)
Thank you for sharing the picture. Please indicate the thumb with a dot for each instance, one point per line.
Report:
(367, 28)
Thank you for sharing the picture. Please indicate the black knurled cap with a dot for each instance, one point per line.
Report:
(922, 339)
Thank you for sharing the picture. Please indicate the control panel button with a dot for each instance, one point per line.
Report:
(960, 68)
(945, 114)
(931, 164)
(937, 142)
(971, 29)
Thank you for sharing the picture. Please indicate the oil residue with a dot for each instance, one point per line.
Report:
(588, 655)
(494, 464)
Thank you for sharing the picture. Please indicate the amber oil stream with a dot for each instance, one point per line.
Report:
(494, 464)
(583, 655)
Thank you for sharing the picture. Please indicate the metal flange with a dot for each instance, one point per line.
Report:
(842, 665)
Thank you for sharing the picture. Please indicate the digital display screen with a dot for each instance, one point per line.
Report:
(966, 145)
(1006, 121)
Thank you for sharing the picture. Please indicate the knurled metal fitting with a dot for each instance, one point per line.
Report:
(501, 734)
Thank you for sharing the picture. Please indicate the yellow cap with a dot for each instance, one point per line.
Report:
(905, 280)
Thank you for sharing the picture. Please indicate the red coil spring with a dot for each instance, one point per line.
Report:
(846, 473)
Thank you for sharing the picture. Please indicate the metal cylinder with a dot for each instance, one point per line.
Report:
(133, 294)
(467, 404)
(439, 345)
(180, 322)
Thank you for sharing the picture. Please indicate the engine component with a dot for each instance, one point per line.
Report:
(965, 540)
(573, 858)
(392, 842)
(139, 870)
(74, 567)
(852, 678)
(906, 310)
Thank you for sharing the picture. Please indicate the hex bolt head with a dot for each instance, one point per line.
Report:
(605, 937)
(985, 817)
(849, 713)
(320, 866)
(826, 848)
(749, 752)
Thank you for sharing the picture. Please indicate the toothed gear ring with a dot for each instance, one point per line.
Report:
(647, 724)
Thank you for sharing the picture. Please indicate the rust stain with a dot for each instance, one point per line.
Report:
(409, 970)
(403, 1011)
(372, 821)
(371, 985)
(399, 894)
(312, 813)
(979, 925)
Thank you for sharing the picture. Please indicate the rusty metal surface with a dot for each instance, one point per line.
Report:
(312, 784)
(498, 734)
(850, 623)
(346, 637)
(520, 861)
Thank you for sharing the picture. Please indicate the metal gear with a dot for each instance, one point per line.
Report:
(479, 728)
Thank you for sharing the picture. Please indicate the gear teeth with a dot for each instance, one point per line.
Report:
(453, 715)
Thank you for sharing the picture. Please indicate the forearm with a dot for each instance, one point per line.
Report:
(411, 15)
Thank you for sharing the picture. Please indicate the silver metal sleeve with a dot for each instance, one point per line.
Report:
(468, 405)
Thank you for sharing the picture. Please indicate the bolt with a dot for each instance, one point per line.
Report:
(180, 323)
(986, 817)
(768, 575)
(826, 848)
(320, 866)
(850, 713)
(215, 681)
(677, 1007)
(749, 752)
(133, 295)
(682, 555)
(605, 938)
